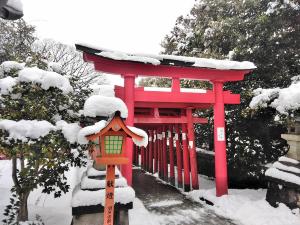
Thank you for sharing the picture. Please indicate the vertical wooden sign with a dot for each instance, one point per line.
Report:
(109, 195)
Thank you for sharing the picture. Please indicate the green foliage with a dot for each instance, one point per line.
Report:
(262, 31)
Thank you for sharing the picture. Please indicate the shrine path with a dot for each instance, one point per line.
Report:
(170, 207)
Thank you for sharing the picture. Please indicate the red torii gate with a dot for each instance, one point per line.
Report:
(145, 107)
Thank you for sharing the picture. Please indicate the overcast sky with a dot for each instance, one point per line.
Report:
(125, 25)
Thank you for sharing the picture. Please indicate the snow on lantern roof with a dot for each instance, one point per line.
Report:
(99, 105)
(170, 60)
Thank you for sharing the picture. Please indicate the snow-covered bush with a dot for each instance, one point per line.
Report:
(38, 132)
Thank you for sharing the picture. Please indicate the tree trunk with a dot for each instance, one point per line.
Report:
(23, 210)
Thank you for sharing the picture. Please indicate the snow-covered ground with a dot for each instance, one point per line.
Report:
(247, 207)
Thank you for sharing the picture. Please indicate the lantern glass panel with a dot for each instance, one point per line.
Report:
(113, 144)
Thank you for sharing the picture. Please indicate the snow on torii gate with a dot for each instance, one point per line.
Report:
(174, 67)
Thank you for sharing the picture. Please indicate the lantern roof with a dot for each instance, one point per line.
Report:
(115, 123)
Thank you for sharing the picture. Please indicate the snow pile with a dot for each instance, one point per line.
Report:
(104, 90)
(281, 175)
(123, 195)
(286, 159)
(127, 57)
(283, 100)
(98, 105)
(34, 129)
(88, 130)
(140, 132)
(89, 183)
(92, 172)
(249, 207)
(47, 79)
(9, 66)
(166, 203)
(7, 84)
(23, 129)
(69, 130)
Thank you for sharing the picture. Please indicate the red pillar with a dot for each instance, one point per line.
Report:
(150, 151)
(186, 164)
(155, 141)
(129, 80)
(178, 156)
(220, 141)
(165, 159)
(192, 149)
(171, 155)
(159, 149)
(147, 157)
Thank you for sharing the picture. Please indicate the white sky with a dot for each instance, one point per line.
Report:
(123, 25)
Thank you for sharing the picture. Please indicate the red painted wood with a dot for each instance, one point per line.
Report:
(129, 101)
(175, 84)
(186, 163)
(155, 152)
(192, 150)
(178, 156)
(120, 67)
(151, 151)
(220, 142)
(160, 155)
(171, 155)
(140, 119)
(165, 159)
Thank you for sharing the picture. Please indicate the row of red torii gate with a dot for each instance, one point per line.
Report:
(167, 115)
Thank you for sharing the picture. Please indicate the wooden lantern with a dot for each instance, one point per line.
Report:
(111, 140)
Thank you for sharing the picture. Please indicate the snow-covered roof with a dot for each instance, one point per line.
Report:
(99, 105)
(170, 60)
(97, 127)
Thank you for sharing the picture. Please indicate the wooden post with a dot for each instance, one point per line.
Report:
(165, 158)
(186, 164)
(159, 149)
(171, 155)
(109, 195)
(150, 151)
(155, 141)
(178, 156)
(220, 141)
(192, 149)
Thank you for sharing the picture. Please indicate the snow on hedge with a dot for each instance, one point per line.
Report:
(98, 105)
(69, 130)
(47, 79)
(7, 84)
(123, 195)
(24, 129)
(104, 90)
(140, 132)
(283, 100)
(8, 66)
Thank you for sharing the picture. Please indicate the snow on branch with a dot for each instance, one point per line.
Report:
(283, 100)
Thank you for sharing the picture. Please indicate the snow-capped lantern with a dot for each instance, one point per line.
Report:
(111, 141)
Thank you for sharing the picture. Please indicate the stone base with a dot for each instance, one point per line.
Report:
(281, 193)
(120, 218)
(283, 183)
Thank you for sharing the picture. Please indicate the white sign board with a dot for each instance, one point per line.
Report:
(220, 134)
